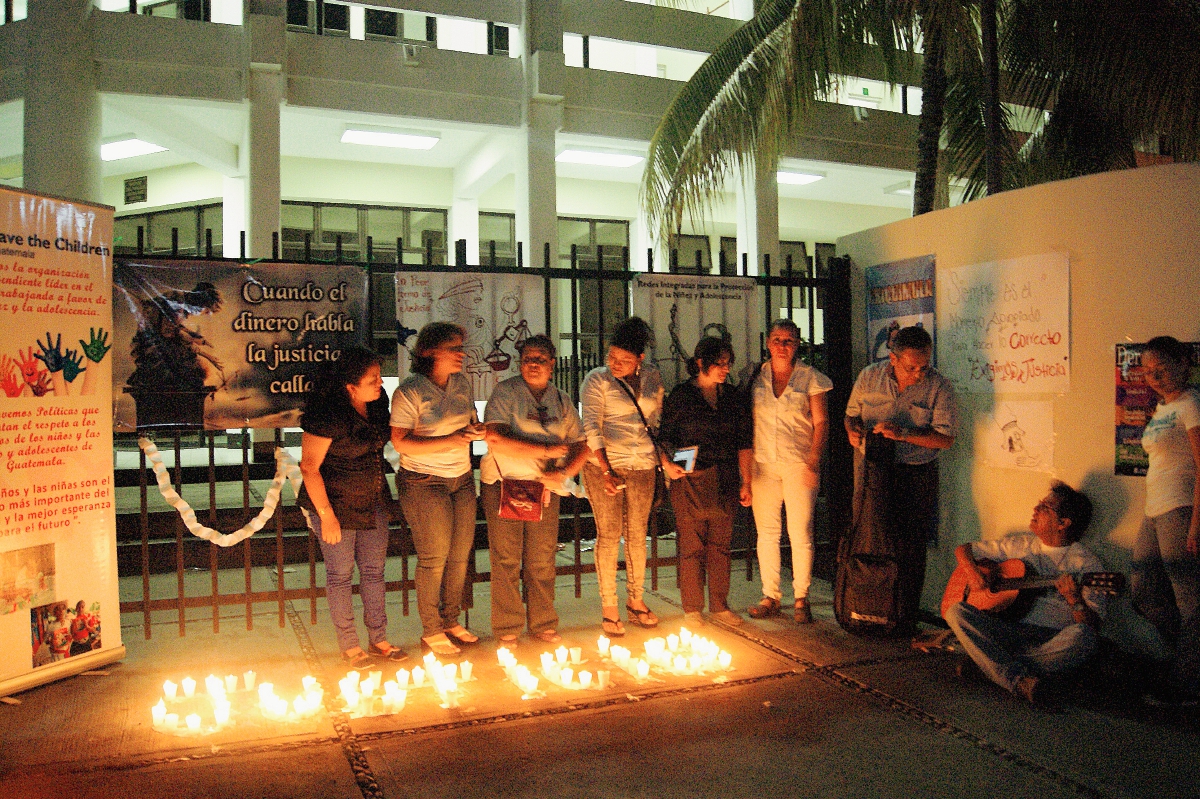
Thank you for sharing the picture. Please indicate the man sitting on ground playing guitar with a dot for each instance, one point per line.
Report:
(1051, 631)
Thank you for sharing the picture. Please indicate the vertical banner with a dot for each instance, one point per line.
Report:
(498, 311)
(214, 345)
(682, 308)
(59, 607)
(1006, 325)
(1135, 405)
(899, 294)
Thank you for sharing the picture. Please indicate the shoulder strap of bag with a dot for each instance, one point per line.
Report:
(642, 416)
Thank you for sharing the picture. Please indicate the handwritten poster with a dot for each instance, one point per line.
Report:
(1005, 325)
(215, 345)
(1135, 405)
(899, 294)
(498, 312)
(682, 308)
(58, 545)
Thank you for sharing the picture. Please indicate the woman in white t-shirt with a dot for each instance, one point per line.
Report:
(1166, 570)
(433, 424)
(533, 433)
(791, 425)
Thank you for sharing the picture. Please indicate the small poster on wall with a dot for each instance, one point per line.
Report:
(1005, 325)
(1019, 435)
(1135, 405)
(899, 294)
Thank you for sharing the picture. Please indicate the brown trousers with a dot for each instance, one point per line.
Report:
(704, 522)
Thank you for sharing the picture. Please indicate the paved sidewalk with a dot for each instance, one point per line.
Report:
(806, 711)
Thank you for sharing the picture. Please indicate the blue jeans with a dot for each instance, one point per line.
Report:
(1166, 590)
(441, 514)
(368, 549)
(1006, 651)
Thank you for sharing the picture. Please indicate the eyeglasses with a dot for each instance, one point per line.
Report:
(724, 363)
(534, 360)
(1045, 506)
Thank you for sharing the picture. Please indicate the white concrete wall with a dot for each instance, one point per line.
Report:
(1132, 239)
(170, 186)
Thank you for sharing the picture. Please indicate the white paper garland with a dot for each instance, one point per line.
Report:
(286, 468)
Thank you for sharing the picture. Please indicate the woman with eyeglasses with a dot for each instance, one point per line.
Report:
(709, 415)
(345, 497)
(1166, 568)
(791, 425)
(533, 433)
(433, 425)
(621, 404)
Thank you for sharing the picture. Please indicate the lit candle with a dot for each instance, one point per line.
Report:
(402, 678)
(249, 678)
(576, 654)
(547, 662)
(643, 669)
(231, 683)
(565, 675)
(353, 677)
(398, 703)
(170, 689)
(602, 678)
(193, 721)
(531, 684)
(685, 636)
(171, 721)
(159, 712)
(300, 704)
(672, 642)
(560, 655)
(602, 644)
(451, 671)
(265, 692)
(189, 687)
(694, 662)
(585, 679)
(352, 700)
(418, 676)
(465, 668)
(367, 688)
(680, 663)
(724, 658)
(213, 685)
(309, 683)
(221, 713)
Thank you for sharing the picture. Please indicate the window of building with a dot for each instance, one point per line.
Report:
(690, 254)
(381, 24)
(423, 232)
(502, 229)
(727, 257)
(598, 242)
(159, 228)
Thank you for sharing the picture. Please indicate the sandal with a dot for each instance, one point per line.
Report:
(392, 653)
(461, 635)
(357, 659)
(548, 636)
(612, 627)
(509, 639)
(642, 618)
(802, 612)
(440, 645)
(768, 606)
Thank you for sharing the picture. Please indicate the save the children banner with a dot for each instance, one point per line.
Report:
(59, 611)
(682, 308)
(218, 345)
(497, 311)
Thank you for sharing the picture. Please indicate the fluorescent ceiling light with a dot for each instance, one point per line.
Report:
(598, 159)
(128, 148)
(798, 178)
(382, 138)
(903, 188)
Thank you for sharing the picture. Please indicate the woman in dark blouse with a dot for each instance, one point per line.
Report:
(345, 495)
(710, 415)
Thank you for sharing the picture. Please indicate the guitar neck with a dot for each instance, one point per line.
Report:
(1033, 583)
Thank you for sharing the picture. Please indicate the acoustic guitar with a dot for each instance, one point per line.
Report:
(1008, 581)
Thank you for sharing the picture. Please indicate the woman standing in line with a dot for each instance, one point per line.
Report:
(1166, 571)
(345, 496)
(710, 415)
(433, 425)
(621, 402)
(533, 433)
(791, 425)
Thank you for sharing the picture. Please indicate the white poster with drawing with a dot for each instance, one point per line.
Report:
(497, 311)
(682, 308)
(1019, 435)
(1004, 327)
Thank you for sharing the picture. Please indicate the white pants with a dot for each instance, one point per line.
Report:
(777, 485)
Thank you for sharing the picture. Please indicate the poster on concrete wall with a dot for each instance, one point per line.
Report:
(682, 308)
(1005, 325)
(1018, 435)
(59, 612)
(216, 345)
(1135, 405)
(497, 311)
(899, 294)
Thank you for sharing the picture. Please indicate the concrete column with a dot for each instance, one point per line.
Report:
(266, 91)
(62, 106)
(464, 224)
(234, 217)
(537, 189)
(766, 196)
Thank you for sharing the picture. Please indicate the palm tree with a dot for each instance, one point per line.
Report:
(1126, 69)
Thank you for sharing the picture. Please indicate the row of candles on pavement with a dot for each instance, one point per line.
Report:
(682, 654)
